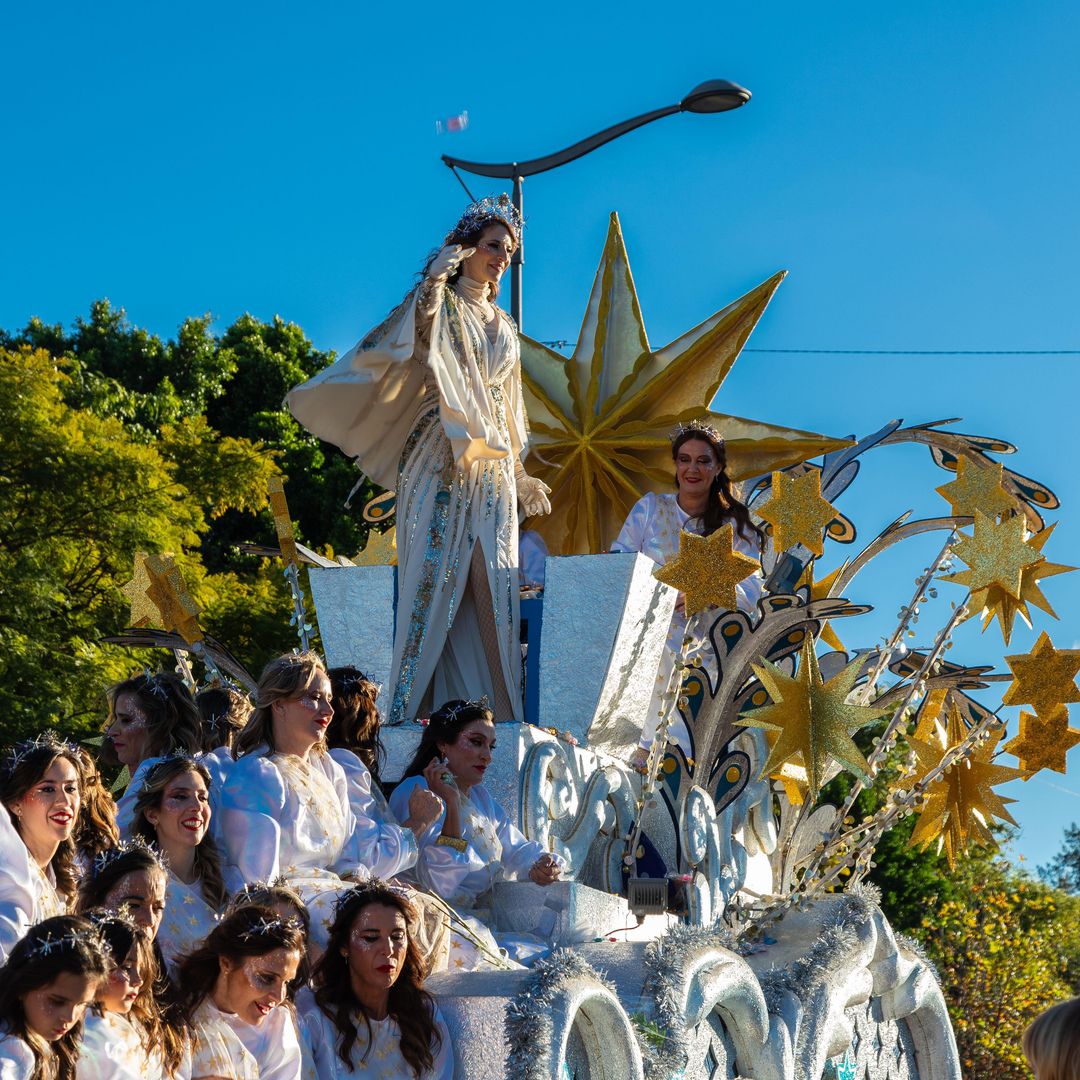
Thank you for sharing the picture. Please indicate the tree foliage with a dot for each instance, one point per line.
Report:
(1063, 870)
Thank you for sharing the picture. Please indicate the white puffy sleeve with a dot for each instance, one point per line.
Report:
(18, 892)
(382, 845)
(518, 853)
(17, 1061)
(750, 590)
(636, 526)
(125, 805)
(443, 1066)
(251, 804)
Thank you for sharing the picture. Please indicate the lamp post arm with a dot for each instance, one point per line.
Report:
(509, 170)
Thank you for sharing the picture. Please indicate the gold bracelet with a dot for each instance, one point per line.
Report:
(456, 842)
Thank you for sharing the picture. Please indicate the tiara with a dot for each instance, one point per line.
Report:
(104, 859)
(345, 898)
(45, 740)
(478, 703)
(697, 426)
(265, 926)
(494, 207)
(89, 937)
(159, 690)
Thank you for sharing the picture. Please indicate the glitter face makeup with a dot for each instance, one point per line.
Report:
(469, 756)
(54, 1009)
(128, 731)
(300, 722)
(142, 895)
(47, 813)
(182, 819)
(377, 943)
(255, 986)
(119, 991)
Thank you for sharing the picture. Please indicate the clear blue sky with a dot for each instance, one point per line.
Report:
(913, 166)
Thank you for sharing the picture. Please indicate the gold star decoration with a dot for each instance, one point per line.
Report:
(819, 590)
(707, 569)
(143, 610)
(813, 717)
(1043, 744)
(797, 512)
(995, 601)
(600, 420)
(380, 549)
(275, 488)
(977, 487)
(1043, 678)
(960, 804)
(996, 555)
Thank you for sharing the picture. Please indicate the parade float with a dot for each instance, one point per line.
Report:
(716, 920)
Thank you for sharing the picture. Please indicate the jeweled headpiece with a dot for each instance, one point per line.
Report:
(89, 937)
(494, 208)
(699, 427)
(21, 751)
(263, 926)
(104, 859)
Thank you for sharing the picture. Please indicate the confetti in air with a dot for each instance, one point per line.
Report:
(452, 123)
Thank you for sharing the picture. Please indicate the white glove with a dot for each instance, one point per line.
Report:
(533, 495)
(447, 261)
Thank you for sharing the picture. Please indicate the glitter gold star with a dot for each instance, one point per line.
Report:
(996, 555)
(275, 488)
(797, 512)
(707, 569)
(814, 719)
(819, 590)
(179, 612)
(1043, 678)
(1043, 744)
(600, 419)
(977, 487)
(995, 601)
(961, 803)
(143, 610)
(380, 549)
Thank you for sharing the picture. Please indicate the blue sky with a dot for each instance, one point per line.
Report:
(912, 166)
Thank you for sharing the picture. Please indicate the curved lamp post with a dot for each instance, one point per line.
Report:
(714, 96)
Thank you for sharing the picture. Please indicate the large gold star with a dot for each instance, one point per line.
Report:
(143, 610)
(996, 555)
(600, 419)
(814, 719)
(977, 487)
(995, 601)
(179, 612)
(1043, 744)
(380, 549)
(707, 569)
(797, 512)
(1043, 678)
(961, 803)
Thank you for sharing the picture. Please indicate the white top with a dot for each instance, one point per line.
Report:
(386, 849)
(383, 1059)
(16, 1058)
(187, 920)
(497, 849)
(216, 1049)
(112, 1049)
(273, 1043)
(27, 893)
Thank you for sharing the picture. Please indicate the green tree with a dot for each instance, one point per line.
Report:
(1063, 870)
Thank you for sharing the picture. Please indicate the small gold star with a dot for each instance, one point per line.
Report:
(143, 610)
(797, 512)
(380, 550)
(1043, 678)
(707, 569)
(1043, 744)
(995, 555)
(170, 595)
(977, 487)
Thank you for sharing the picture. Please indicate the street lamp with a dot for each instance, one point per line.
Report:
(713, 96)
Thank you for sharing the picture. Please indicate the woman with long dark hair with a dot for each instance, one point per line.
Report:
(49, 980)
(372, 1016)
(130, 878)
(41, 792)
(172, 812)
(430, 406)
(703, 502)
(231, 991)
(473, 843)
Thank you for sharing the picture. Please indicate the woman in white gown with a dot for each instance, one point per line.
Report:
(285, 809)
(232, 992)
(429, 404)
(370, 1015)
(41, 792)
(473, 843)
(702, 503)
(173, 813)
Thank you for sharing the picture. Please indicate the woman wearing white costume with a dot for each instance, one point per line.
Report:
(429, 404)
(285, 809)
(702, 503)
(473, 843)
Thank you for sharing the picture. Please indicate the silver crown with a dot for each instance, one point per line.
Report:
(698, 426)
(105, 859)
(266, 926)
(45, 740)
(90, 938)
(494, 207)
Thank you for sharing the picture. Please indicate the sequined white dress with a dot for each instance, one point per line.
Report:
(112, 1049)
(430, 405)
(382, 1060)
(187, 920)
(216, 1050)
(285, 816)
(496, 850)
(27, 893)
(652, 527)
(274, 1043)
